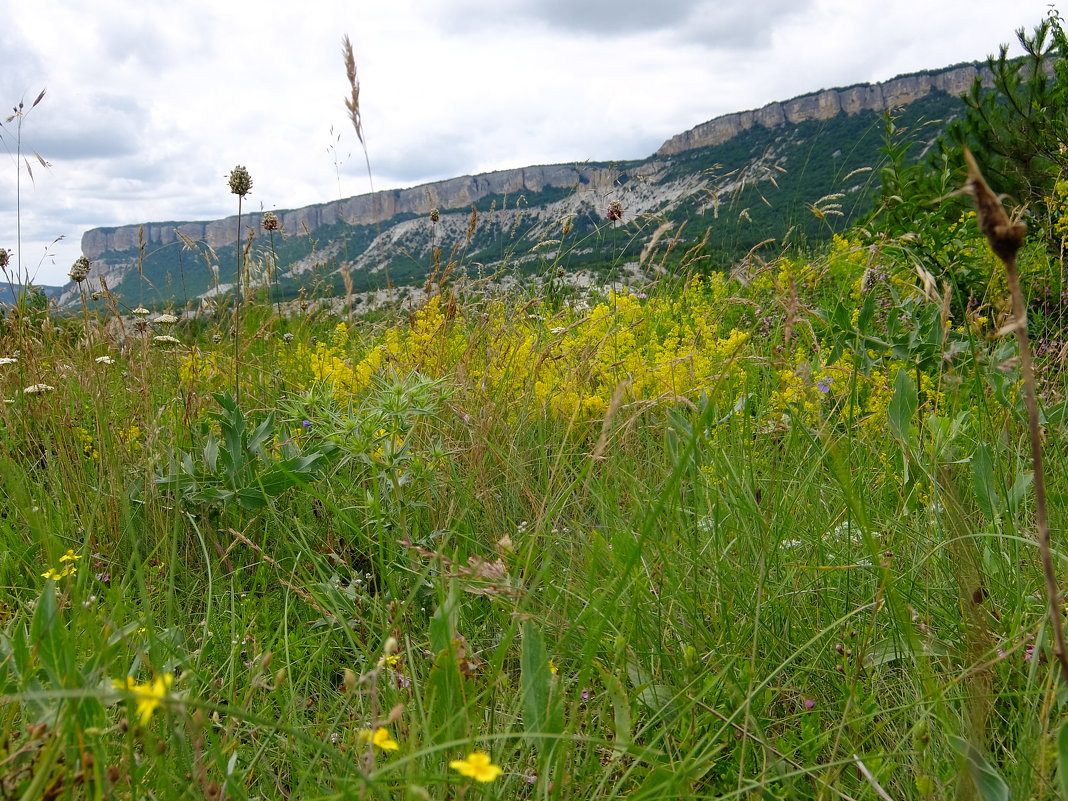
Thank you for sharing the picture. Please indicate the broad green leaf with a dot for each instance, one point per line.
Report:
(541, 715)
(620, 709)
(987, 780)
(983, 481)
(902, 406)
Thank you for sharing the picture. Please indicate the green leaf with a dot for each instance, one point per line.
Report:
(983, 481)
(987, 780)
(541, 713)
(902, 406)
(1062, 759)
(48, 634)
(620, 710)
(445, 696)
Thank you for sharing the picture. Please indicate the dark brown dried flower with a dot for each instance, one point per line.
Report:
(615, 210)
(240, 181)
(5, 257)
(1004, 235)
(270, 221)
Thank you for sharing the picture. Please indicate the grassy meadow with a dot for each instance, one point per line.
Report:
(702, 538)
(772, 534)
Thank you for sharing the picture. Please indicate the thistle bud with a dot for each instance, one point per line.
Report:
(240, 181)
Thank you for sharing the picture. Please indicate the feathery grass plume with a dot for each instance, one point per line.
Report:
(18, 116)
(1006, 237)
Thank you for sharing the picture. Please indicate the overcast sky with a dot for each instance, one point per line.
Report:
(150, 103)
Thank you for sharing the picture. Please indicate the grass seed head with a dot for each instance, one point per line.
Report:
(240, 181)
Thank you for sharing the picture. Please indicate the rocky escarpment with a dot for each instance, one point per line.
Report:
(367, 209)
(457, 193)
(825, 104)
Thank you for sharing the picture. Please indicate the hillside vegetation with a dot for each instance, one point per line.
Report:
(767, 533)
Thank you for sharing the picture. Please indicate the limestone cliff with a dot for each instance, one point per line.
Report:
(825, 104)
(369, 209)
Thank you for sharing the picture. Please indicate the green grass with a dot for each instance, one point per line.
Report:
(689, 597)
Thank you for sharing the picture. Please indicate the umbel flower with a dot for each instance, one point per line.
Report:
(477, 766)
(79, 271)
(240, 181)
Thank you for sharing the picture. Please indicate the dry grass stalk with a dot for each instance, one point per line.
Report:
(1006, 238)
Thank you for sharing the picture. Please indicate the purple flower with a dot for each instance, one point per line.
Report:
(824, 385)
(306, 424)
(809, 703)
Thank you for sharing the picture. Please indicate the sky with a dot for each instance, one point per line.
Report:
(150, 103)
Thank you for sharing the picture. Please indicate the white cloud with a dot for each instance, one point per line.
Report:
(150, 105)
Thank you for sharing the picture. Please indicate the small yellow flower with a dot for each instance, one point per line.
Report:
(69, 556)
(553, 668)
(148, 696)
(56, 575)
(380, 737)
(477, 766)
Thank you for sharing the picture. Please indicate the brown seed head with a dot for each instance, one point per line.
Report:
(5, 257)
(1005, 236)
(270, 221)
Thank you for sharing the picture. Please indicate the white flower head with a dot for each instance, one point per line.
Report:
(37, 389)
(166, 340)
(140, 311)
(104, 360)
(165, 319)
(8, 360)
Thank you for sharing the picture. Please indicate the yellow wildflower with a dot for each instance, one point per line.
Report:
(69, 556)
(148, 696)
(380, 737)
(477, 766)
(56, 575)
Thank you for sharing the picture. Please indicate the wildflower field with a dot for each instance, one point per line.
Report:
(705, 538)
(794, 530)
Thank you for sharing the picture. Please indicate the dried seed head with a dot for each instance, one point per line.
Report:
(79, 271)
(240, 181)
(435, 215)
(5, 257)
(270, 221)
(615, 210)
(1005, 236)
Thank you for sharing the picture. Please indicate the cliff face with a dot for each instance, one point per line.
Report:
(361, 210)
(824, 105)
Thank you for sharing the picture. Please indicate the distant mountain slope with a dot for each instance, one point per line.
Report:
(730, 183)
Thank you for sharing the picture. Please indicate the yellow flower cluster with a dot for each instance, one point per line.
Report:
(568, 363)
(87, 442)
(63, 571)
